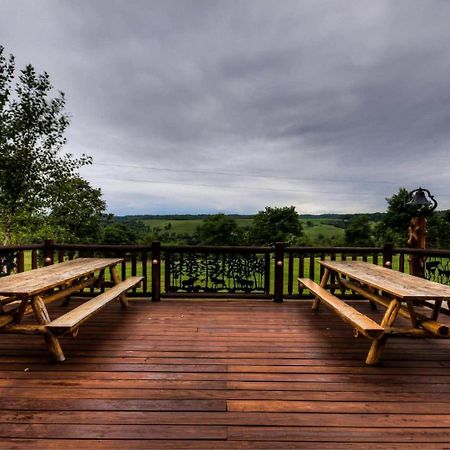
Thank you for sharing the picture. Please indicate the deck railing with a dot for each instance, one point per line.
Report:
(211, 271)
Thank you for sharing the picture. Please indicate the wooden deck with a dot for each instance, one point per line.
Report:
(222, 374)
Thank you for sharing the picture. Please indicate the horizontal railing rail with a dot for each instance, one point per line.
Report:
(225, 271)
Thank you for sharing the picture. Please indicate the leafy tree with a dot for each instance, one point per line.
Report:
(359, 231)
(32, 126)
(438, 226)
(77, 211)
(119, 233)
(394, 225)
(276, 225)
(123, 231)
(219, 229)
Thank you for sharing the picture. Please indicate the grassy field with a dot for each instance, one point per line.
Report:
(316, 230)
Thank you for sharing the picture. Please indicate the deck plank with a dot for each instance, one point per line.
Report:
(222, 374)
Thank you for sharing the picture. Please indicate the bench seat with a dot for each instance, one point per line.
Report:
(73, 319)
(365, 325)
(6, 319)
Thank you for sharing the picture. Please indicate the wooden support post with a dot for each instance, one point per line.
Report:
(116, 280)
(156, 271)
(387, 255)
(42, 317)
(417, 236)
(48, 252)
(21, 261)
(279, 272)
(34, 259)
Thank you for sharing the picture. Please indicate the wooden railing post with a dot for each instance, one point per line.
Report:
(156, 271)
(48, 252)
(279, 272)
(387, 255)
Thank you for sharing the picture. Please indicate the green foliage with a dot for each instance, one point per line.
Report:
(32, 126)
(276, 225)
(321, 230)
(439, 230)
(394, 225)
(220, 230)
(77, 210)
(123, 232)
(359, 232)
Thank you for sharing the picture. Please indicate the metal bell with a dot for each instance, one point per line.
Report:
(418, 198)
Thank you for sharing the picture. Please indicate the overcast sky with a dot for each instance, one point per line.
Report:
(206, 106)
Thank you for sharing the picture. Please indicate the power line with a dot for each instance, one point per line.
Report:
(277, 177)
(177, 183)
(246, 175)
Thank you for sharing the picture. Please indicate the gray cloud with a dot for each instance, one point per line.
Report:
(330, 105)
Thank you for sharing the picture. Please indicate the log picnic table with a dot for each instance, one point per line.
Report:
(401, 294)
(30, 292)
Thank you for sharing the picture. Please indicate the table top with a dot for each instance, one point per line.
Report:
(35, 281)
(398, 284)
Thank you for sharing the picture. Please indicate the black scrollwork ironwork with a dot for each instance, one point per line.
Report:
(8, 262)
(438, 269)
(203, 272)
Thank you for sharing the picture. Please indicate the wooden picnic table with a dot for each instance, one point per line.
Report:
(30, 292)
(401, 294)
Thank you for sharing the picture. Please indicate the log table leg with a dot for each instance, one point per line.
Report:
(323, 283)
(378, 345)
(116, 280)
(41, 314)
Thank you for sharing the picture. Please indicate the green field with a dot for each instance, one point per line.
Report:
(320, 230)
(186, 226)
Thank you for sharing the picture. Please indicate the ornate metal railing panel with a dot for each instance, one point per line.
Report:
(438, 269)
(8, 262)
(209, 272)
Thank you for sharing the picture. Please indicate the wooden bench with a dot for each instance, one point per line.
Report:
(70, 321)
(363, 324)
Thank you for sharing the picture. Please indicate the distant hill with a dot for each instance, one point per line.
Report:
(179, 216)
(319, 229)
(372, 216)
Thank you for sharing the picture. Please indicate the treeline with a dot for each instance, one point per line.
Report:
(146, 217)
(283, 224)
(266, 227)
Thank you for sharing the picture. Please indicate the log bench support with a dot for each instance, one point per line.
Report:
(431, 327)
(421, 326)
(69, 322)
(361, 323)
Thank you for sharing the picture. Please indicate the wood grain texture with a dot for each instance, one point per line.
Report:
(225, 375)
(83, 312)
(398, 284)
(347, 313)
(34, 282)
